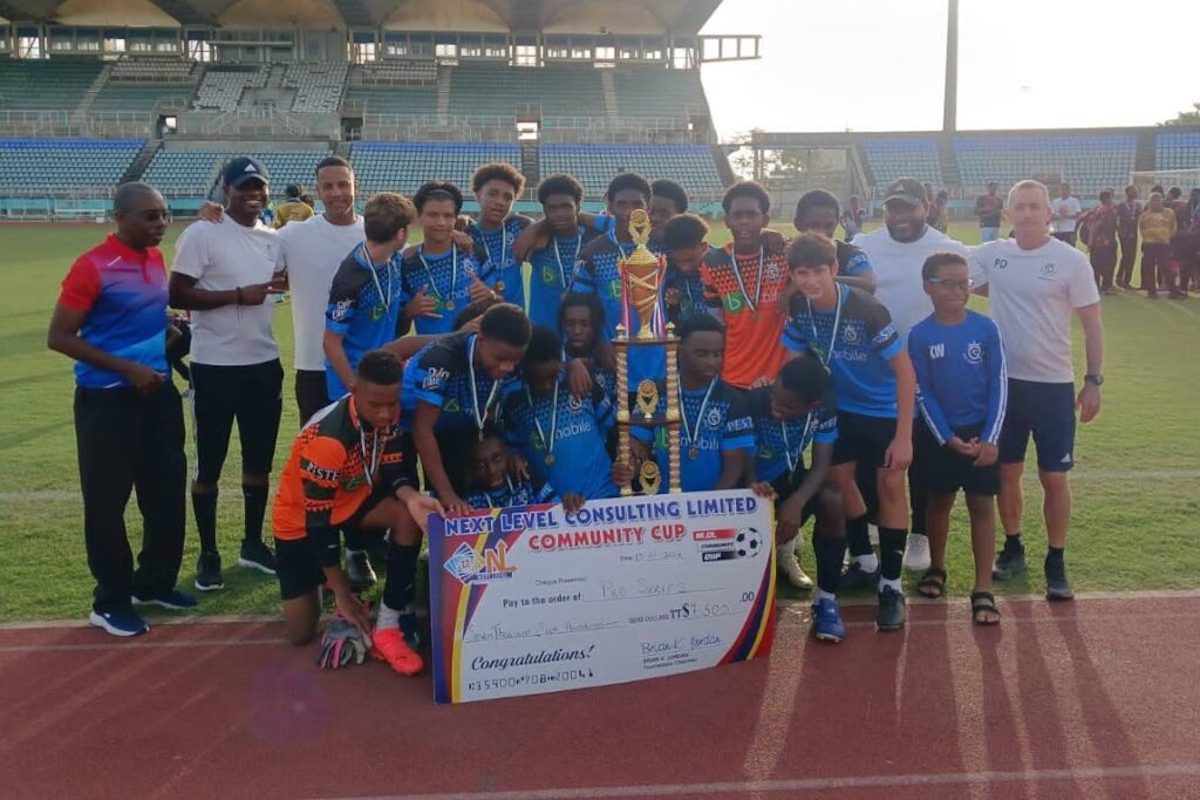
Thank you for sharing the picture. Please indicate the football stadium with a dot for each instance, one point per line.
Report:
(1085, 699)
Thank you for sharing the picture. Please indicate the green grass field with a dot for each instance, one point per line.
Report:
(1137, 482)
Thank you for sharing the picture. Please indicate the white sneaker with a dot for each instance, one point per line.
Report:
(789, 565)
(916, 555)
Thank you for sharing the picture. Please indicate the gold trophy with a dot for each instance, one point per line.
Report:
(641, 287)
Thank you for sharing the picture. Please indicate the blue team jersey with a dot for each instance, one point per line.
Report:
(598, 272)
(852, 261)
(961, 377)
(446, 278)
(366, 303)
(780, 444)
(705, 436)
(691, 294)
(865, 341)
(512, 495)
(439, 375)
(553, 268)
(497, 264)
(580, 463)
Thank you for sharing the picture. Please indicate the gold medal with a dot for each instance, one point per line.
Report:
(694, 453)
(449, 304)
(549, 459)
(499, 286)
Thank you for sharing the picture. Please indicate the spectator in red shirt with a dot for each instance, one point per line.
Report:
(1127, 234)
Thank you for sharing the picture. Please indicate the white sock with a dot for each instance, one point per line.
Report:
(787, 547)
(868, 563)
(821, 594)
(388, 618)
(890, 584)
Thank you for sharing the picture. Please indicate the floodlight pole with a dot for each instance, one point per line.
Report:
(950, 103)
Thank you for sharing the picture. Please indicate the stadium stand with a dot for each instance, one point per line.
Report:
(141, 84)
(404, 166)
(1090, 162)
(56, 84)
(223, 84)
(394, 87)
(658, 92)
(153, 69)
(594, 166)
(59, 166)
(193, 173)
(1177, 150)
(318, 87)
(889, 159)
(499, 90)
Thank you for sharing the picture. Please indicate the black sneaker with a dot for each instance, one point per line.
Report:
(1058, 588)
(208, 572)
(855, 577)
(410, 627)
(377, 546)
(257, 555)
(1009, 562)
(358, 571)
(891, 610)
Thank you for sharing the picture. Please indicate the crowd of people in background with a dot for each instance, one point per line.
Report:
(847, 381)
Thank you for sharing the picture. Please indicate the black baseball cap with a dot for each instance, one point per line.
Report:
(242, 169)
(909, 190)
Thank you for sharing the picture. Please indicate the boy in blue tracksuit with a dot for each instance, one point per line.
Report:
(961, 394)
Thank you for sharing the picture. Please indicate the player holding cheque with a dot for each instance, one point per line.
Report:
(853, 336)
(962, 389)
(351, 464)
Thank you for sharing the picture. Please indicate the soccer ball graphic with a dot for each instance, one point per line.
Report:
(748, 543)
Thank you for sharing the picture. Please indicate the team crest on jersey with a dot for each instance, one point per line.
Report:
(377, 313)
(352, 482)
(547, 276)
(734, 302)
(773, 271)
(1048, 270)
(614, 288)
(452, 406)
(713, 418)
(767, 453)
(850, 334)
(575, 403)
(974, 354)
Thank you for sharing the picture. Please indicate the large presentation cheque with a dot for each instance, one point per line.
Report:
(533, 599)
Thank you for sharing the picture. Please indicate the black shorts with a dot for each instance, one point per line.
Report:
(253, 395)
(940, 470)
(1046, 410)
(296, 563)
(311, 392)
(786, 485)
(862, 439)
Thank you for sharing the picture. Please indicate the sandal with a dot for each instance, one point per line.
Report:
(982, 603)
(933, 583)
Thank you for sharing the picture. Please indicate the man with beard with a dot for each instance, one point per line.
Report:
(897, 252)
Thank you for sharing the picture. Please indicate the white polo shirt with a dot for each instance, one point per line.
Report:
(1033, 294)
(1069, 205)
(313, 250)
(222, 256)
(897, 266)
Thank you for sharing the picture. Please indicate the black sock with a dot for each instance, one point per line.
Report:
(891, 552)
(1012, 542)
(401, 575)
(858, 536)
(1054, 561)
(828, 553)
(205, 508)
(255, 498)
(356, 540)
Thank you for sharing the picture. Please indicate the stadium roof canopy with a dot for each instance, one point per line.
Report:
(590, 17)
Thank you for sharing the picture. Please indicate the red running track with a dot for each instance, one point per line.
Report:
(1096, 699)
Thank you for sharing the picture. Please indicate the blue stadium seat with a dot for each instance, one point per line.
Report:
(594, 166)
(404, 166)
(194, 172)
(57, 166)
(1177, 150)
(1089, 162)
(890, 159)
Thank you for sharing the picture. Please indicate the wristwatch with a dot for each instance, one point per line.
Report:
(1094, 378)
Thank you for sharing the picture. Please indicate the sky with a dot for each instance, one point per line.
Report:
(878, 65)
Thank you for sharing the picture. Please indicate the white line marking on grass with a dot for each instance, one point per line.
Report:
(815, 784)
